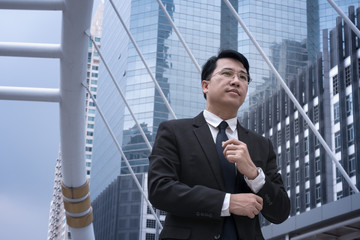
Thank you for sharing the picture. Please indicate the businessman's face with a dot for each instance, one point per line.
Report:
(227, 87)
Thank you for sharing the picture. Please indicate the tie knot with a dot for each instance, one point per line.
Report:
(222, 126)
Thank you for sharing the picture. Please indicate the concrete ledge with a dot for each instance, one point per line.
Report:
(316, 218)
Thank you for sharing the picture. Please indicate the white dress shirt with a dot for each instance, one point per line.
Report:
(231, 131)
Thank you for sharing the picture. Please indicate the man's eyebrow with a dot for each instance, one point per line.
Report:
(233, 70)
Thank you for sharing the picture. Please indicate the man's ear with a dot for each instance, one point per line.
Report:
(204, 86)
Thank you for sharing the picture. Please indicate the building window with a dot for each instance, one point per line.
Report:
(307, 171)
(150, 236)
(287, 156)
(317, 166)
(306, 126)
(350, 134)
(88, 149)
(279, 138)
(316, 114)
(336, 113)
(339, 195)
(297, 202)
(288, 181)
(347, 76)
(318, 193)
(287, 132)
(278, 161)
(317, 143)
(335, 85)
(306, 145)
(297, 176)
(296, 126)
(352, 165)
(297, 150)
(337, 141)
(91, 118)
(89, 141)
(90, 133)
(307, 198)
(150, 223)
(349, 105)
(338, 174)
(149, 211)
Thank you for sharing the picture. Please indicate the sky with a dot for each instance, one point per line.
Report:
(29, 131)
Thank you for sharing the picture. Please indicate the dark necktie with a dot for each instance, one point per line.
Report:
(229, 176)
(227, 168)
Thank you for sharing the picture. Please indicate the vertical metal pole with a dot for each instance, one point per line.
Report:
(75, 21)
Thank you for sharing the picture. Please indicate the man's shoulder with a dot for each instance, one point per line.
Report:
(177, 122)
(183, 121)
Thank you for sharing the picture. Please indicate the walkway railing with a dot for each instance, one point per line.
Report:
(72, 52)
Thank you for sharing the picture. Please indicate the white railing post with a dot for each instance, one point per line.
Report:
(75, 21)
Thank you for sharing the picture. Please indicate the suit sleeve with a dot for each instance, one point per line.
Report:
(168, 190)
(276, 203)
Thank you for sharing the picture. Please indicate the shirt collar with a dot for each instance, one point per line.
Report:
(214, 120)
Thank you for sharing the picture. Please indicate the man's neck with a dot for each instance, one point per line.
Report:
(224, 115)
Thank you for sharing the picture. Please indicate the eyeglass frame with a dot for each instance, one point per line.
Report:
(238, 74)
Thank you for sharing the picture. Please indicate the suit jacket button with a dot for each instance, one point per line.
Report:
(217, 236)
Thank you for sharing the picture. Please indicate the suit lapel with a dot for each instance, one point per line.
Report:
(203, 134)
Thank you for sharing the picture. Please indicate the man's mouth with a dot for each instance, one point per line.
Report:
(234, 91)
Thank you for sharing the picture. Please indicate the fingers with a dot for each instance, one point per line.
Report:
(232, 141)
(245, 204)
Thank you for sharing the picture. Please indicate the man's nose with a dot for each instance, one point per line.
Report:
(235, 81)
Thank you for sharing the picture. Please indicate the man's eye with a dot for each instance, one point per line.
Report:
(227, 73)
(244, 77)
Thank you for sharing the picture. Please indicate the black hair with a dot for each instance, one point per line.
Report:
(209, 67)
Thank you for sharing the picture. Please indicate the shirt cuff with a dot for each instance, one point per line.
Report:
(257, 183)
(225, 211)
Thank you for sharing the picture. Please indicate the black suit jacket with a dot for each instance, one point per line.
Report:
(185, 180)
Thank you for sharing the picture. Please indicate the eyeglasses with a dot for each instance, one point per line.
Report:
(230, 74)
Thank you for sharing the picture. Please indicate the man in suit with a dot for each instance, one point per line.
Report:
(211, 175)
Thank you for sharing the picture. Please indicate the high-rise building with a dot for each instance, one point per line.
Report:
(92, 83)
(288, 32)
